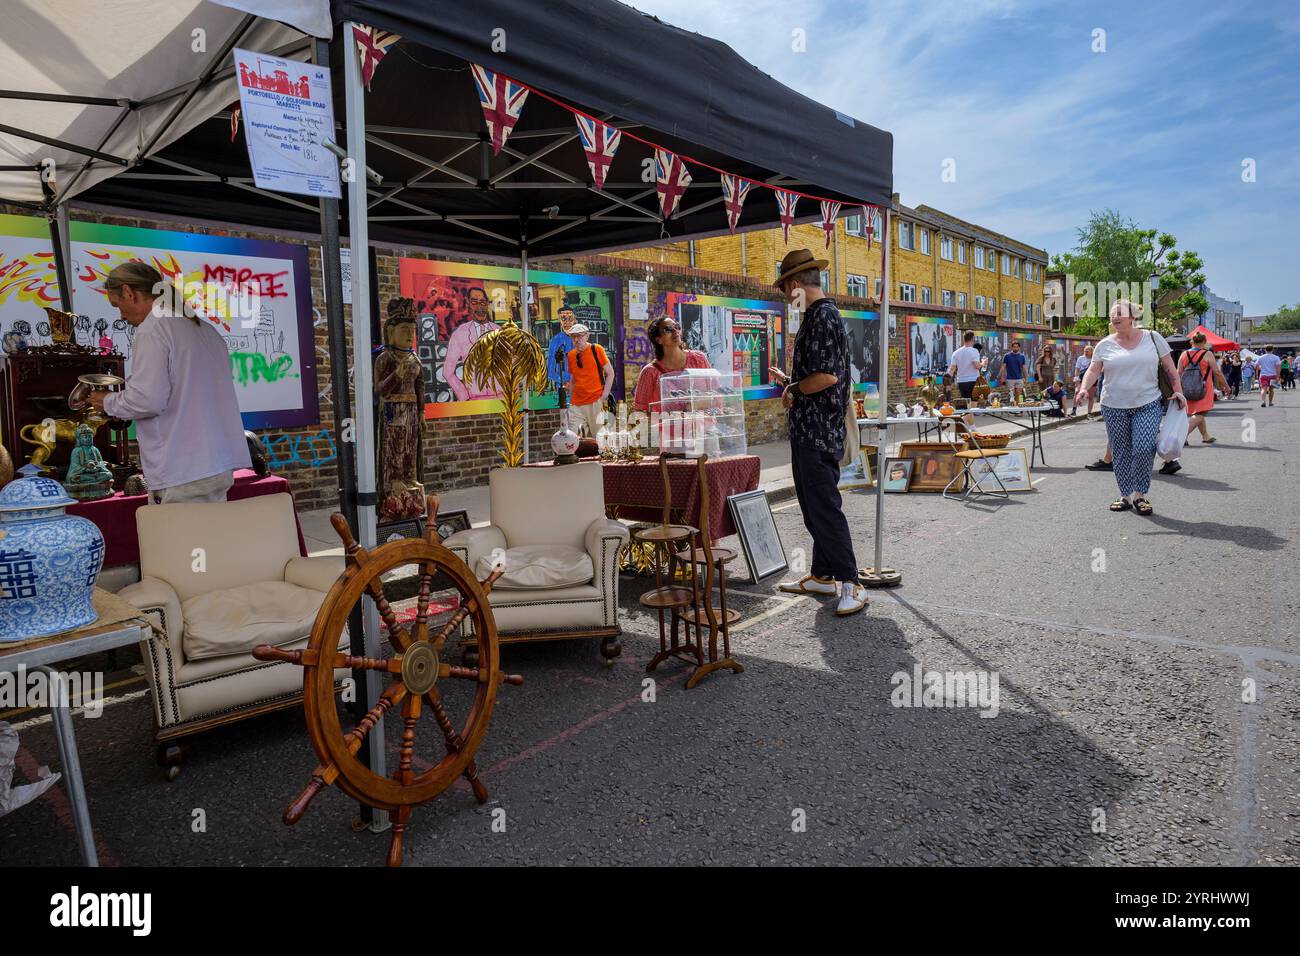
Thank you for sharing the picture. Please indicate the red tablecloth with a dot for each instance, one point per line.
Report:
(115, 516)
(636, 489)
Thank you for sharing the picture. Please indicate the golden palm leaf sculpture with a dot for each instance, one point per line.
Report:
(508, 359)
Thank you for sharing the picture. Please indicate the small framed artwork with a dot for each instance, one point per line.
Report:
(387, 531)
(861, 471)
(756, 528)
(898, 473)
(449, 522)
(934, 465)
(1013, 469)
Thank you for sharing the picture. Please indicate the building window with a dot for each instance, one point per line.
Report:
(826, 281)
(979, 299)
(857, 286)
(877, 287)
(906, 236)
(1015, 268)
(877, 228)
(925, 241)
(1017, 311)
(961, 300)
(1006, 264)
(947, 297)
(853, 225)
(927, 297)
(993, 261)
(907, 292)
(979, 257)
(1006, 310)
(961, 251)
(945, 248)
(1029, 312)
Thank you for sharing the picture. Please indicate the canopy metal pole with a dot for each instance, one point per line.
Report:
(332, 273)
(58, 220)
(878, 575)
(363, 419)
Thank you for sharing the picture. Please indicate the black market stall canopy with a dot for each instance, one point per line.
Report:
(444, 185)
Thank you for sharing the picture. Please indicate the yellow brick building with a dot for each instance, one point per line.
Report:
(938, 261)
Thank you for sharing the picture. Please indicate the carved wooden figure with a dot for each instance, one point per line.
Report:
(416, 668)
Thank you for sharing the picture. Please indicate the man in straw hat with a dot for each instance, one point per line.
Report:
(817, 395)
(179, 393)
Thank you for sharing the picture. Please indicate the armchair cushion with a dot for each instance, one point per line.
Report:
(317, 573)
(540, 566)
(235, 620)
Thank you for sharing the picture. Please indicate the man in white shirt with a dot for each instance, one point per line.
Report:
(1270, 370)
(967, 365)
(179, 394)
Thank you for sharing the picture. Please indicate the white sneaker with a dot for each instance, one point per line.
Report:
(853, 598)
(810, 584)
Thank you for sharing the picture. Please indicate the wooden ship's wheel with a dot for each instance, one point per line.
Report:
(416, 667)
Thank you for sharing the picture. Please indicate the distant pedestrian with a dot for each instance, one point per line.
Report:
(1233, 373)
(1045, 368)
(1201, 360)
(1080, 367)
(1288, 371)
(1013, 371)
(1132, 358)
(1248, 374)
(1269, 366)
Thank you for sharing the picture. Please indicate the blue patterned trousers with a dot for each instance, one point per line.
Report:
(1132, 433)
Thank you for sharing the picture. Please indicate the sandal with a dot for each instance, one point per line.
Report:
(1209, 441)
(1142, 506)
(1120, 504)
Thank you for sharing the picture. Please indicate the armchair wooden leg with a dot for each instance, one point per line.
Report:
(169, 756)
(610, 648)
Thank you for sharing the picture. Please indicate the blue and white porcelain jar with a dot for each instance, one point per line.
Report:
(49, 560)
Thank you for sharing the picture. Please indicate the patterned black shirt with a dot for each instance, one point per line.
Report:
(821, 345)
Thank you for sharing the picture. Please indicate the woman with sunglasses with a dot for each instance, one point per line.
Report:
(670, 356)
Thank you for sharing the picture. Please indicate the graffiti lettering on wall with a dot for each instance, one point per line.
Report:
(249, 368)
(638, 350)
(299, 449)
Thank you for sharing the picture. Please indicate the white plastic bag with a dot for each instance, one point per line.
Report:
(1173, 432)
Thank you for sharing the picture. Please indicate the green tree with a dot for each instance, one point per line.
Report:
(1285, 319)
(1112, 252)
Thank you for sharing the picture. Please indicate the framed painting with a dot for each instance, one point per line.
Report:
(1013, 469)
(898, 474)
(934, 465)
(759, 538)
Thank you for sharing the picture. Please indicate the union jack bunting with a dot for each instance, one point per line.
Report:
(372, 46)
(829, 211)
(671, 180)
(599, 142)
(734, 191)
(869, 223)
(786, 201)
(502, 100)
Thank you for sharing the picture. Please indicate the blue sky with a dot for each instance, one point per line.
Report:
(1043, 130)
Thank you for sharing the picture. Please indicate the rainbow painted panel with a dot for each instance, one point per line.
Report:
(741, 337)
(442, 291)
(930, 344)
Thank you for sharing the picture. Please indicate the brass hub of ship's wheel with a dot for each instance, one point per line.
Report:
(420, 668)
(413, 673)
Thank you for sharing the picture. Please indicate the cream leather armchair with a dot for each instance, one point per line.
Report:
(560, 554)
(217, 579)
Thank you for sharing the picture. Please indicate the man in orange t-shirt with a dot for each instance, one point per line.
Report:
(593, 377)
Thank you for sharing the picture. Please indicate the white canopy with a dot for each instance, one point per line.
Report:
(95, 86)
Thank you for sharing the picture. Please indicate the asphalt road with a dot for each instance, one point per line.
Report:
(1120, 736)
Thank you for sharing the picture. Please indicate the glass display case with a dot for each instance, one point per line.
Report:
(700, 411)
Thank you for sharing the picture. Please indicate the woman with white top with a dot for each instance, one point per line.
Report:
(1131, 359)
